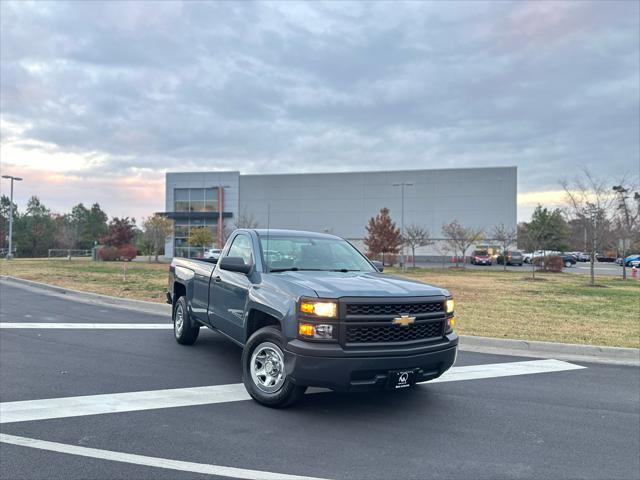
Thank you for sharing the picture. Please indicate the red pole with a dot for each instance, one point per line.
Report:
(220, 210)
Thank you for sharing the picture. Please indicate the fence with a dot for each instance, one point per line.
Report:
(67, 254)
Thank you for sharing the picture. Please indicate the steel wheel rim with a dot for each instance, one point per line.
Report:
(267, 367)
(179, 324)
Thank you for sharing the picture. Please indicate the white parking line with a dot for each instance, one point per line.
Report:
(90, 326)
(29, 410)
(203, 468)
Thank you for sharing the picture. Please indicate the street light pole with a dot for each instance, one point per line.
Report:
(17, 179)
(402, 185)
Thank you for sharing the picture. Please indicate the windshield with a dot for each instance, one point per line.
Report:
(312, 253)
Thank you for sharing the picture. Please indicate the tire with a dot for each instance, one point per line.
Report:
(567, 264)
(185, 329)
(268, 343)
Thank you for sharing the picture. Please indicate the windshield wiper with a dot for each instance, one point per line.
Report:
(296, 269)
(343, 270)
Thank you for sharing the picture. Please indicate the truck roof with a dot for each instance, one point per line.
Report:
(263, 232)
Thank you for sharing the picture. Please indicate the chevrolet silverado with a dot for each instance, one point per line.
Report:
(309, 309)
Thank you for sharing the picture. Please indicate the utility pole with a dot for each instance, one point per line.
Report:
(17, 179)
(402, 185)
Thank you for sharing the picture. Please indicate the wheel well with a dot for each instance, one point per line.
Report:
(179, 290)
(258, 319)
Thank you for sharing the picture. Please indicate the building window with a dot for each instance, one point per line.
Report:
(182, 231)
(195, 199)
(181, 199)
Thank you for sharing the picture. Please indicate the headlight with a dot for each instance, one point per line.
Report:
(450, 305)
(320, 309)
(315, 331)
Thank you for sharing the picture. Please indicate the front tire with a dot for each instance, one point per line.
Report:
(263, 370)
(185, 329)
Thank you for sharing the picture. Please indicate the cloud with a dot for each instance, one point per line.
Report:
(107, 89)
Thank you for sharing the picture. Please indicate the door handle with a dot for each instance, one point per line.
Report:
(217, 278)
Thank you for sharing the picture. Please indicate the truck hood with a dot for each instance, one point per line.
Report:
(360, 284)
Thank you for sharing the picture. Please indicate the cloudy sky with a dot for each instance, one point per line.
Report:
(100, 99)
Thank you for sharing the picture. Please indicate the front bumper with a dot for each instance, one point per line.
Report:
(330, 366)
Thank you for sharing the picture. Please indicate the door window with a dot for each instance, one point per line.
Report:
(241, 247)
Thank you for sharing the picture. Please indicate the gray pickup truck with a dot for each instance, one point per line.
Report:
(309, 309)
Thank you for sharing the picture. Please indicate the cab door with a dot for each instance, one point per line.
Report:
(229, 290)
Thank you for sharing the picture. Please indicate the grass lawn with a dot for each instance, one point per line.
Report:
(558, 307)
(145, 281)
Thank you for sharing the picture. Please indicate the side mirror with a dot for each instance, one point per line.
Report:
(378, 265)
(235, 264)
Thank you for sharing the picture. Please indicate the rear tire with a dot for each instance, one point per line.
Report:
(263, 371)
(185, 329)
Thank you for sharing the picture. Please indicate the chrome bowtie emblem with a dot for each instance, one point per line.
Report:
(404, 320)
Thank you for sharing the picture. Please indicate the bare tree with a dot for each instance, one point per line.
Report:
(507, 236)
(590, 201)
(246, 220)
(460, 238)
(156, 230)
(627, 216)
(416, 236)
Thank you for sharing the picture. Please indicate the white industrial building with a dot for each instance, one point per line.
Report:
(340, 203)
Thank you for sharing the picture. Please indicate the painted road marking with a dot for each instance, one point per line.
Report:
(29, 410)
(495, 370)
(203, 468)
(89, 326)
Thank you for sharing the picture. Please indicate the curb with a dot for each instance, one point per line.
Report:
(92, 298)
(559, 351)
(497, 346)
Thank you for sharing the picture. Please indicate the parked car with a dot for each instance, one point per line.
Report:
(568, 259)
(321, 315)
(481, 257)
(513, 257)
(212, 253)
(581, 256)
(605, 258)
(632, 260)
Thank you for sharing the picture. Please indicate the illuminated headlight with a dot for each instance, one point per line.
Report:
(450, 305)
(316, 331)
(320, 309)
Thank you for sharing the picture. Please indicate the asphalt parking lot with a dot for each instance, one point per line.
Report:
(170, 411)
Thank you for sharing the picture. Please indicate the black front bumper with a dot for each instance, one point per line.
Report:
(331, 366)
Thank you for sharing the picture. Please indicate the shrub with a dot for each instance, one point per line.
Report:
(127, 252)
(108, 254)
(553, 263)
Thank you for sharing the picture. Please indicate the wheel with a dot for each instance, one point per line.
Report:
(263, 371)
(567, 264)
(185, 330)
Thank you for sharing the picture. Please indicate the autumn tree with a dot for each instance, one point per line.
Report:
(506, 236)
(383, 237)
(460, 238)
(416, 236)
(121, 231)
(156, 230)
(200, 237)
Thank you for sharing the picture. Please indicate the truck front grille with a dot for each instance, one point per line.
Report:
(394, 308)
(394, 333)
